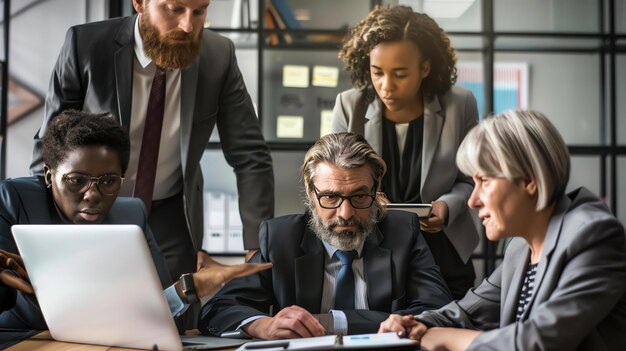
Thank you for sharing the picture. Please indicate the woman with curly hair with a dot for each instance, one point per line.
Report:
(402, 68)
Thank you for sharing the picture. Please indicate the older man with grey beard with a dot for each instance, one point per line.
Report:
(340, 268)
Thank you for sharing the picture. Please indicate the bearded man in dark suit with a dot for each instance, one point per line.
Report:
(342, 267)
(111, 65)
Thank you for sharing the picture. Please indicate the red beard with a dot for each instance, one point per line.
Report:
(175, 49)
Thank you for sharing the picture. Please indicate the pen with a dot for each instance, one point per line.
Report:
(266, 345)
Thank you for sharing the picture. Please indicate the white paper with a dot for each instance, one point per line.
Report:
(290, 127)
(326, 118)
(333, 342)
(325, 76)
(295, 76)
(214, 222)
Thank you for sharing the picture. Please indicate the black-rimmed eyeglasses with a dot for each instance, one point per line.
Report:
(109, 184)
(331, 201)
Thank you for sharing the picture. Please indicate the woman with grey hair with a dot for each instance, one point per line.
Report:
(562, 283)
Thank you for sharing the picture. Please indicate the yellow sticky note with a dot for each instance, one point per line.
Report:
(325, 76)
(295, 76)
(326, 119)
(290, 127)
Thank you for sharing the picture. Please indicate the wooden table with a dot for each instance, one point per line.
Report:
(44, 342)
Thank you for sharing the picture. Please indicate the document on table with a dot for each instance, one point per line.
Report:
(387, 341)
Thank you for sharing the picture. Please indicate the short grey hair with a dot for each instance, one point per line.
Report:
(346, 150)
(518, 145)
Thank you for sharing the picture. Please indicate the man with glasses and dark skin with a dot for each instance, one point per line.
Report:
(85, 158)
(340, 268)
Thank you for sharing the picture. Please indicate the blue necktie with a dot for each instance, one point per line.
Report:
(344, 290)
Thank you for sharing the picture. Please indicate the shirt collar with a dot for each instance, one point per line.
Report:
(331, 249)
(143, 59)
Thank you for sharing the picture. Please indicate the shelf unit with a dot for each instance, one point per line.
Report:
(593, 35)
(271, 57)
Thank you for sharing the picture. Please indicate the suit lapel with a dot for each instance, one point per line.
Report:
(373, 128)
(377, 272)
(552, 236)
(433, 124)
(188, 90)
(309, 273)
(123, 62)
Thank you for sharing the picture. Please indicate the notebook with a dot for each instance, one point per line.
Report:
(97, 284)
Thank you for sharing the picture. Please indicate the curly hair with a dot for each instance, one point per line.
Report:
(395, 23)
(72, 129)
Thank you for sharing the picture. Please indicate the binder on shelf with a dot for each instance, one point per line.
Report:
(234, 237)
(214, 222)
(270, 24)
(277, 21)
(285, 13)
(214, 240)
(282, 17)
(234, 240)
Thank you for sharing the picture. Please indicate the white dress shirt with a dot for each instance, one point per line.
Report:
(168, 180)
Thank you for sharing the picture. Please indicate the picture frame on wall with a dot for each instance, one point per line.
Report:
(21, 101)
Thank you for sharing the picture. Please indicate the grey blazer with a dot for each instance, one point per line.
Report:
(94, 73)
(447, 119)
(579, 297)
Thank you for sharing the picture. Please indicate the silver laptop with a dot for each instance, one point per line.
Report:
(97, 284)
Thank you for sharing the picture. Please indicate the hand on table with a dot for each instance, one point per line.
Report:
(403, 326)
(291, 322)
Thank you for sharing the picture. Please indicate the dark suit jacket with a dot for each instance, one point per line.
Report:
(94, 73)
(27, 201)
(579, 294)
(399, 270)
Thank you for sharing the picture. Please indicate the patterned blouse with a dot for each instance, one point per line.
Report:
(527, 290)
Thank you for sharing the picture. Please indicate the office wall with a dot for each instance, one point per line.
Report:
(564, 86)
(36, 35)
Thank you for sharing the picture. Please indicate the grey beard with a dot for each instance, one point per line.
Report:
(345, 240)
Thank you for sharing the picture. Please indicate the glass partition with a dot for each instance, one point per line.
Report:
(556, 16)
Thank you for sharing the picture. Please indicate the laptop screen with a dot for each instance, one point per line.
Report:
(97, 284)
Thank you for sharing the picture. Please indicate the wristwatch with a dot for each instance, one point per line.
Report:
(189, 288)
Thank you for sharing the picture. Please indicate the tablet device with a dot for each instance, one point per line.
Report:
(422, 210)
(97, 284)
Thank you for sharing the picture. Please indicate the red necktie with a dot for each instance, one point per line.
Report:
(149, 155)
